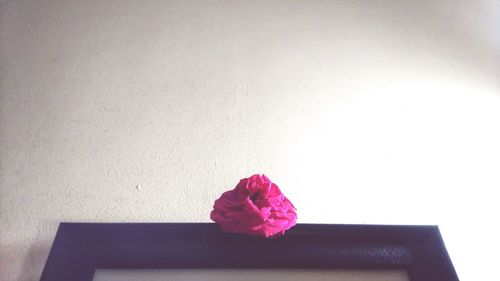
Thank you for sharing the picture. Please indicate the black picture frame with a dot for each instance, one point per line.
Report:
(80, 248)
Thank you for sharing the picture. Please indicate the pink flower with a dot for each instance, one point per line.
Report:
(255, 206)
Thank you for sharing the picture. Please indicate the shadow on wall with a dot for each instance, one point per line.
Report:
(460, 33)
(37, 252)
(33, 263)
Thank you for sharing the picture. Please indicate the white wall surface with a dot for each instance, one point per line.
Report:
(382, 112)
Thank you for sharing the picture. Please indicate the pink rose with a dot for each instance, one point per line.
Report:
(255, 206)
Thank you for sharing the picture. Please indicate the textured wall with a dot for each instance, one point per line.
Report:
(362, 111)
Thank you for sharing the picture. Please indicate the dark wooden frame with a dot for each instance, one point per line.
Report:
(80, 248)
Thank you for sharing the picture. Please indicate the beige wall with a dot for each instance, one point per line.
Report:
(362, 111)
